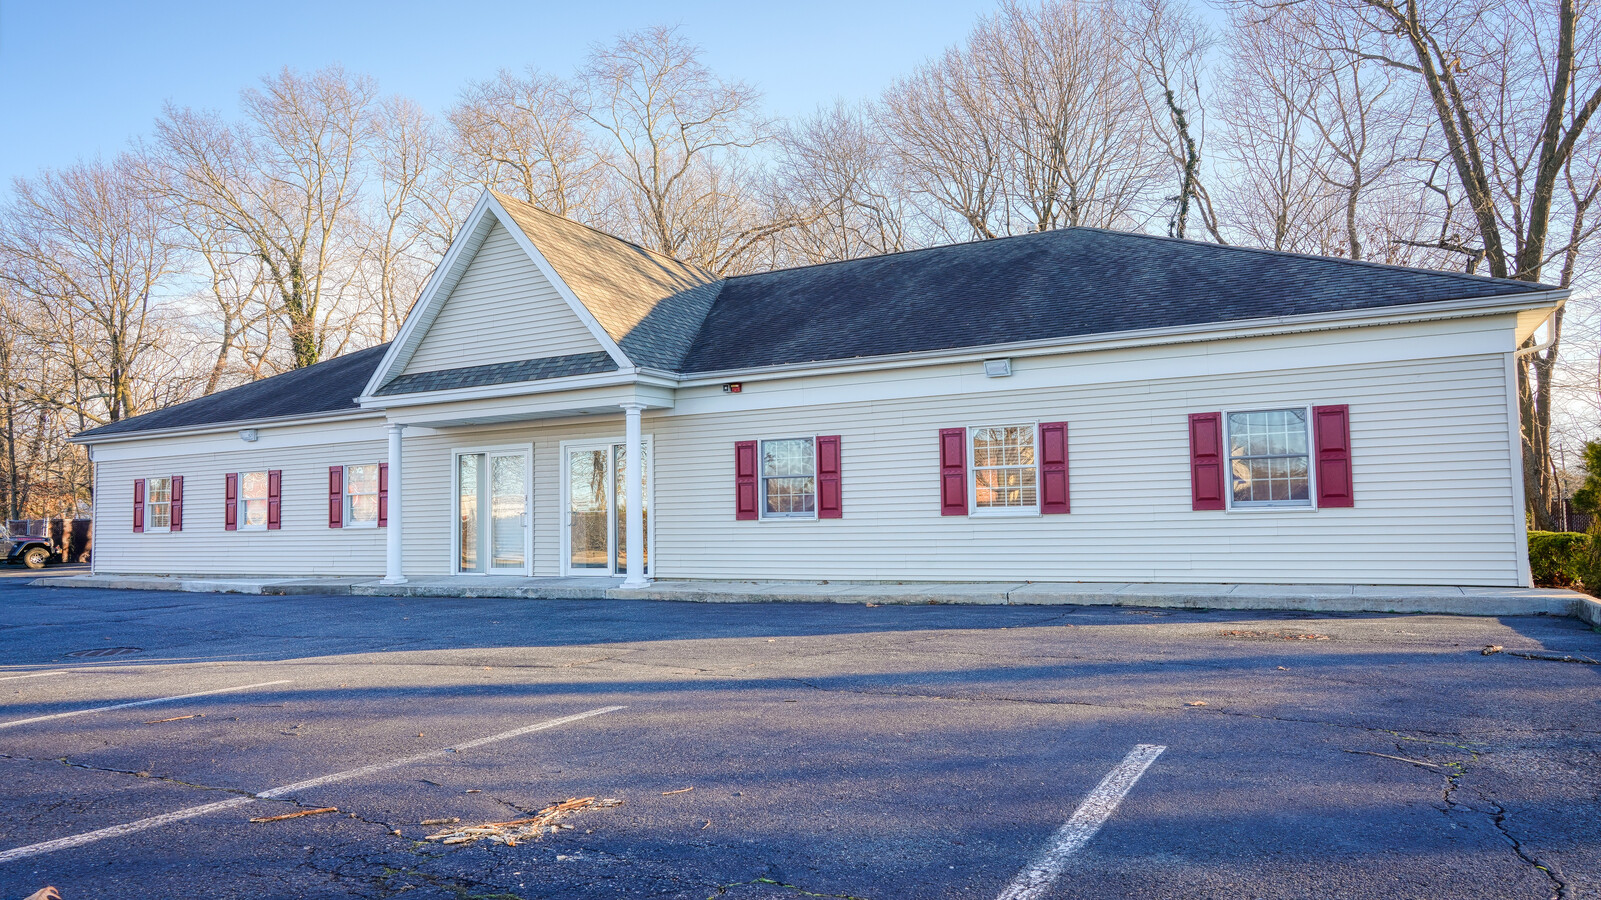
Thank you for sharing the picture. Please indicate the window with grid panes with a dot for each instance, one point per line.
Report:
(158, 504)
(1269, 463)
(1004, 468)
(789, 479)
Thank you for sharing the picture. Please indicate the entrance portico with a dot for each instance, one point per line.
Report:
(604, 485)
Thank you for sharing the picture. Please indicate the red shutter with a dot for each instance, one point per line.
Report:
(230, 502)
(383, 494)
(828, 483)
(336, 496)
(1053, 468)
(275, 491)
(953, 471)
(138, 504)
(1206, 461)
(745, 480)
(1331, 432)
(177, 503)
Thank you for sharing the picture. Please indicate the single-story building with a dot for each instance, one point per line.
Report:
(1073, 405)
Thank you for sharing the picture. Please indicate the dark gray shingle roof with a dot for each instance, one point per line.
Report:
(1073, 282)
(329, 386)
(501, 373)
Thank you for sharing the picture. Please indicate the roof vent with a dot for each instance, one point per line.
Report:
(997, 368)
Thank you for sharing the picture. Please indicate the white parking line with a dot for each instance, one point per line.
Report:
(89, 837)
(84, 712)
(1033, 881)
(30, 675)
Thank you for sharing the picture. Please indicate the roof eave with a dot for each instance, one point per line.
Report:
(1418, 312)
(86, 438)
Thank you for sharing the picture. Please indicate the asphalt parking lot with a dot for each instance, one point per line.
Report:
(787, 750)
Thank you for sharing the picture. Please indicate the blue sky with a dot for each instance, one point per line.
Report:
(80, 79)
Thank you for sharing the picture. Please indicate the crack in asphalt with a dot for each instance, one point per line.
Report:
(1559, 888)
(1455, 771)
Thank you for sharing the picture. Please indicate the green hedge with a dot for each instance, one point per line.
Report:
(1559, 558)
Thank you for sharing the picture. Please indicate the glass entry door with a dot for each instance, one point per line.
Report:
(492, 512)
(596, 532)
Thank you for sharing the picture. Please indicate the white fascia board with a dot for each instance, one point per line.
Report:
(275, 435)
(582, 311)
(506, 410)
(1421, 312)
(440, 284)
(354, 415)
(512, 390)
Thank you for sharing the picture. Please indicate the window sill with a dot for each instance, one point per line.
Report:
(1258, 510)
(1002, 513)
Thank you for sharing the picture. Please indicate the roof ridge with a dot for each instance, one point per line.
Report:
(506, 198)
(1267, 251)
(1316, 257)
(905, 252)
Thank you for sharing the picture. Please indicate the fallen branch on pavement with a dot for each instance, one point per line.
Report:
(518, 830)
(296, 815)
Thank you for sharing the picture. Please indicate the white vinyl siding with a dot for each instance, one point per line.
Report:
(502, 310)
(1431, 459)
(1444, 516)
(303, 545)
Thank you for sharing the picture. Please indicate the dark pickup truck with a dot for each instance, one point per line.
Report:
(28, 542)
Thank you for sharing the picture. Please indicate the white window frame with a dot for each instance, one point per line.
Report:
(158, 529)
(349, 499)
(973, 509)
(653, 565)
(1258, 506)
(761, 487)
(454, 481)
(241, 522)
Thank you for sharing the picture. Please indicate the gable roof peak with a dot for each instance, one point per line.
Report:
(508, 201)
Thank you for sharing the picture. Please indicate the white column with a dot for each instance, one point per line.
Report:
(394, 572)
(635, 451)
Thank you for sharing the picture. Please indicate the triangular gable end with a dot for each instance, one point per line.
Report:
(494, 299)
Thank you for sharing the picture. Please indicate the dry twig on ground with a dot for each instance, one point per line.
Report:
(518, 830)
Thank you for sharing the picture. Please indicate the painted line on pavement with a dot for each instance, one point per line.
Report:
(30, 675)
(1034, 881)
(84, 712)
(89, 837)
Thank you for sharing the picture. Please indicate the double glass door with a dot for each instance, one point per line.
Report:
(596, 532)
(492, 512)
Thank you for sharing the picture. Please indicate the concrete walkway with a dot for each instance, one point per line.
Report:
(1478, 601)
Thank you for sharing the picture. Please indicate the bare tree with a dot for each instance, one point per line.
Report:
(1034, 123)
(88, 246)
(1275, 193)
(285, 183)
(836, 170)
(1168, 57)
(678, 134)
(944, 127)
(1512, 88)
(394, 249)
(524, 135)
